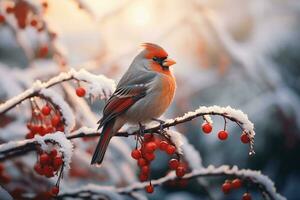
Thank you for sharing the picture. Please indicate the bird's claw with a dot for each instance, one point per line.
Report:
(161, 123)
(141, 129)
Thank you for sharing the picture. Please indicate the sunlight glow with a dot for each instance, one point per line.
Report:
(139, 14)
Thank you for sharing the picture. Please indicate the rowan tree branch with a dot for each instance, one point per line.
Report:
(254, 178)
(227, 112)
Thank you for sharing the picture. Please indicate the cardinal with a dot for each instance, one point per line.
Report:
(144, 93)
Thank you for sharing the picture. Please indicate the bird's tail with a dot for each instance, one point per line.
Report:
(102, 145)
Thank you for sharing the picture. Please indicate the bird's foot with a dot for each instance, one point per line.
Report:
(161, 123)
(141, 128)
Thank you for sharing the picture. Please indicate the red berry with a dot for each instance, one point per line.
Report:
(226, 187)
(60, 128)
(163, 145)
(48, 171)
(34, 128)
(45, 4)
(223, 135)
(171, 149)
(145, 169)
(80, 91)
(136, 154)
(55, 190)
(33, 22)
(206, 128)
(150, 147)
(180, 171)
(143, 177)
(247, 196)
(149, 188)
(38, 168)
(46, 110)
(236, 183)
(43, 51)
(2, 19)
(245, 138)
(44, 159)
(57, 162)
(4, 178)
(142, 162)
(55, 120)
(53, 153)
(149, 156)
(148, 137)
(29, 126)
(9, 9)
(29, 135)
(1, 168)
(173, 164)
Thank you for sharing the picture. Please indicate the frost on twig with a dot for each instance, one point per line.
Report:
(97, 84)
(263, 183)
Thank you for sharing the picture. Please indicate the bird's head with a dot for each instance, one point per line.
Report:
(157, 57)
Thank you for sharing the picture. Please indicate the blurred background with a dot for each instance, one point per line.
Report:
(242, 53)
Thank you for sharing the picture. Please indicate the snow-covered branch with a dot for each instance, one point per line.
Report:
(236, 116)
(98, 85)
(262, 182)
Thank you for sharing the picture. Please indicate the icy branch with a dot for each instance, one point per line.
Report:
(262, 182)
(98, 84)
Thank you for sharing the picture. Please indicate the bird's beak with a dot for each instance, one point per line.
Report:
(168, 62)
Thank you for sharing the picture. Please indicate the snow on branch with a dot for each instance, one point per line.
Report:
(236, 116)
(97, 85)
(262, 182)
(15, 148)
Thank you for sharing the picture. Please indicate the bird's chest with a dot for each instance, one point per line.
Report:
(160, 96)
(157, 100)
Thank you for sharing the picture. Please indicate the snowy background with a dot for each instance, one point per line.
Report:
(242, 53)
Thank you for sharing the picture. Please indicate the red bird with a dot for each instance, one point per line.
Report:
(144, 93)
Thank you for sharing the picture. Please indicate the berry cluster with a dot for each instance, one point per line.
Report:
(146, 154)
(4, 178)
(48, 164)
(25, 15)
(223, 134)
(229, 185)
(2, 19)
(44, 120)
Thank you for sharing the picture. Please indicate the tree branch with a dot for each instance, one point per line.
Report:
(262, 182)
(227, 112)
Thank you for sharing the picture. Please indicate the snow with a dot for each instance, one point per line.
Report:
(101, 190)
(191, 155)
(228, 112)
(65, 146)
(211, 170)
(64, 108)
(99, 85)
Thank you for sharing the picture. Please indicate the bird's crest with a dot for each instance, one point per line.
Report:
(153, 50)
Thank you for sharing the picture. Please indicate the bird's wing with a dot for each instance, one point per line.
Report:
(122, 99)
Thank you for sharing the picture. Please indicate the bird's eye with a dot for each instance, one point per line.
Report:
(155, 59)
